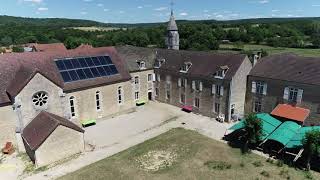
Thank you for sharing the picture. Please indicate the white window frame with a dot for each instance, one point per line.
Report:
(257, 106)
(142, 65)
(157, 92)
(293, 94)
(150, 77)
(217, 107)
(136, 80)
(72, 104)
(98, 101)
(182, 101)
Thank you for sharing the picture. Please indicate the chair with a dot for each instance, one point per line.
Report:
(8, 149)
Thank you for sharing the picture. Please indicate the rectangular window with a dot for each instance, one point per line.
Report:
(217, 108)
(98, 104)
(149, 77)
(257, 106)
(218, 90)
(136, 80)
(182, 98)
(72, 106)
(120, 94)
(158, 77)
(157, 91)
(197, 102)
(136, 95)
(183, 82)
(293, 94)
(168, 93)
(259, 87)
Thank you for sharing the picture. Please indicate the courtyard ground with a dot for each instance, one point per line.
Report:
(185, 154)
(111, 136)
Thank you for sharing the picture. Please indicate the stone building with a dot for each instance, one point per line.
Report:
(139, 62)
(213, 84)
(79, 84)
(285, 79)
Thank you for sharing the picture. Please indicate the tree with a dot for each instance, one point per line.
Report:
(253, 131)
(17, 49)
(311, 145)
(6, 41)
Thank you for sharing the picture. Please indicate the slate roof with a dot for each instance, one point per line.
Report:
(204, 64)
(17, 68)
(42, 126)
(172, 25)
(289, 67)
(132, 54)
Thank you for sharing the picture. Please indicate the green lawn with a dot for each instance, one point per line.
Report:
(185, 154)
(273, 50)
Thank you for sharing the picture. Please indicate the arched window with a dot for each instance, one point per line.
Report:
(98, 101)
(72, 106)
(120, 95)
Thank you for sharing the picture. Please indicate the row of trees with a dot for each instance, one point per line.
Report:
(253, 134)
(196, 36)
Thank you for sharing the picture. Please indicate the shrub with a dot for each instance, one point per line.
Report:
(284, 173)
(257, 163)
(308, 175)
(242, 164)
(219, 165)
(280, 163)
(265, 173)
(269, 160)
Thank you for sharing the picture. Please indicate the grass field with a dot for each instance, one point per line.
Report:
(273, 50)
(185, 154)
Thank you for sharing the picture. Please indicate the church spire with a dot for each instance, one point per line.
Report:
(172, 32)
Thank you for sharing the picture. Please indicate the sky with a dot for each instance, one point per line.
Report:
(146, 11)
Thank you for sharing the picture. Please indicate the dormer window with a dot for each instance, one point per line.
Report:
(142, 65)
(185, 68)
(159, 62)
(221, 73)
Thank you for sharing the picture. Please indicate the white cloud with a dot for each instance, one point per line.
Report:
(106, 10)
(83, 12)
(275, 10)
(316, 5)
(33, 1)
(121, 12)
(100, 5)
(161, 8)
(264, 1)
(43, 9)
(139, 7)
(183, 14)
(87, 0)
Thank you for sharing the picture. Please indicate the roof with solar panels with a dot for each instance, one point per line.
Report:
(72, 70)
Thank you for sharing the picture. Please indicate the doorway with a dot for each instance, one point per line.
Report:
(150, 96)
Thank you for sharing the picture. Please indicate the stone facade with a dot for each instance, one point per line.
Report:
(275, 95)
(7, 125)
(210, 103)
(25, 108)
(145, 85)
(62, 143)
(85, 102)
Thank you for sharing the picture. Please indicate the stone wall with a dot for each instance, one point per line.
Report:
(85, 102)
(144, 86)
(207, 100)
(7, 125)
(27, 110)
(238, 88)
(62, 143)
(275, 91)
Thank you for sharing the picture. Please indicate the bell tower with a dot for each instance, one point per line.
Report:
(172, 39)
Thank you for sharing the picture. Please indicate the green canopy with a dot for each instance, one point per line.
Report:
(296, 141)
(269, 124)
(285, 132)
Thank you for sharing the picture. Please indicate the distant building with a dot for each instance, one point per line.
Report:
(285, 79)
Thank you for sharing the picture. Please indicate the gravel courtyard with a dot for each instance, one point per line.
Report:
(114, 135)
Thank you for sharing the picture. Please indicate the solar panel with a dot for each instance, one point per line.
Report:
(75, 69)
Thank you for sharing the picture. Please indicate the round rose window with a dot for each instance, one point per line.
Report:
(40, 99)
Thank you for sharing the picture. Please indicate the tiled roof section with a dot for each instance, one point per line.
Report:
(43, 62)
(289, 67)
(204, 64)
(291, 112)
(133, 54)
(41, 127)
(49, 47)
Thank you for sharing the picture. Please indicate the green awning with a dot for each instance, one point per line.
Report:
(269, 124)
(296, 141)
(285, 132)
